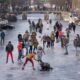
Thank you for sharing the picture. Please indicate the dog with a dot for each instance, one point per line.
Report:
(45, 66)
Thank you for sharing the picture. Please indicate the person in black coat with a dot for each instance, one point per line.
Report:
(9, 49)
(57, 35)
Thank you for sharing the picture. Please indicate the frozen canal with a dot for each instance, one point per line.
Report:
(66, 67)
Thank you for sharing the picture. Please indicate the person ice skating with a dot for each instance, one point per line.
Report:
(48, 42)
(30, 25)
(2, 37)
(20, 37)
(33, 26)
(57, 36)
(30, 58)
(68, 33)
(39, 26)
(35, 44)
(40, 53)
(26, 46)
(78, 37)
(26, 36)
(52, 39)
(9, 49)
(19, 46)
(50, 21)
(74, 27)
(30, 45)
(44, 39)
(65, 43)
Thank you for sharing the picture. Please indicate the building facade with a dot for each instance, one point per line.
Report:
(75, 4)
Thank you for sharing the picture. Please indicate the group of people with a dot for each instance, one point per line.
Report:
(36, 27)
(72, 26)
(29, 42)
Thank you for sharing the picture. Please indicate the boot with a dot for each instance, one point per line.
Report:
(23, 68)
(6, 62)
(12, 61)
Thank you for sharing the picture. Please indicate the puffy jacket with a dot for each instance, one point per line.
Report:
(60, 33)
(9, 48)
(52, 36)
(26, 36)
(2, 34)
(19, 46)
(35, 43)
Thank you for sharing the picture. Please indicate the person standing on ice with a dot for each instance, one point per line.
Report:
(30, 45)
(26, 46)
(9, 49)
(26, 36)
(52, 39)
(48, 41)
(20, 37)
(19, 46)
(57, 36)
(30, 25)
(44, 39)
(2, 37)
(40, 52)
(33, 26)
(73, 26)
(68, 33)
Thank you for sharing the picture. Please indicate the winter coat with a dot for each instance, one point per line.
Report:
(9, 48)
(60, 33)
(19, 46)
(44, 39)
(2, 34)
(74, 26)
(57, 34)
(52, 37)
(35, 43)
(65, 41)
(48, 39)
(26, 36)
(39, 25)
(30, 43)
